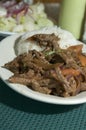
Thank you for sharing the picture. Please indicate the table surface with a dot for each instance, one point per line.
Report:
(20, 113)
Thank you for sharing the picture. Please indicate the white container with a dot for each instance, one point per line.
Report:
(72, 16)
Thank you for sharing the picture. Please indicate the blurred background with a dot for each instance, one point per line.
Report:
(69, 15)
(48, 1)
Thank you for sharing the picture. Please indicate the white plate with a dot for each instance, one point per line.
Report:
(3, 33)
(7, 54)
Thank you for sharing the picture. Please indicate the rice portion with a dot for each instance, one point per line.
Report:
(66, 39)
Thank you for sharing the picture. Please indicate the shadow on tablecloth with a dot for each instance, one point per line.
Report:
(13, 99)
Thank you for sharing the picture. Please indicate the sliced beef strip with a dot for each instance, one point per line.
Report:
(83, 86)
(32, 83)
(70, 61)
(45, 39)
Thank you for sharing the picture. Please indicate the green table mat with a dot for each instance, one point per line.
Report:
(20, 113)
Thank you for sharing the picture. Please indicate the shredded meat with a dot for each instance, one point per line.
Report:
(55, 71)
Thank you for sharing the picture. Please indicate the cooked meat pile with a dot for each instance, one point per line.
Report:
(53, 70)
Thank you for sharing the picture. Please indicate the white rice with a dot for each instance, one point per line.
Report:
(66, 39)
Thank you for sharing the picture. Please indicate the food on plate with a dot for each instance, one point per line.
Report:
(18, 16)
(23, 45)
(49, 68)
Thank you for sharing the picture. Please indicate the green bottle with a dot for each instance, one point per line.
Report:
(71, 17)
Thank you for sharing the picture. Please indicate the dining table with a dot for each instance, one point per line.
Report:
(18, 112)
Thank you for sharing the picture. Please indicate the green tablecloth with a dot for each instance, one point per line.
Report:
(20, 113)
